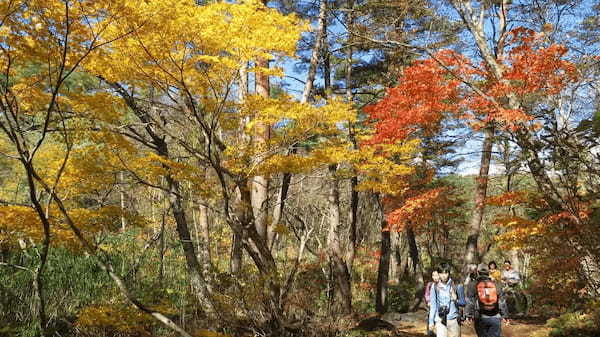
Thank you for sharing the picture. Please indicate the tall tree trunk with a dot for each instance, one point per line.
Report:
(204, 237)
(161, 269)
(198, 278)
(353, 216)
(475, 23)
(38, 284)
(480, 196)
(258, 249)
(235, 261)
(122, 198)
(306, 93)
(317, 50)
(262, 133)
(417, 266)
(395, 257)
(237, 250)
(384, 265)
(342, 290)
(509, 172)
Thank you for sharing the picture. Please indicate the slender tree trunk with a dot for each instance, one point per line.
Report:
(353, 216)
(204, 237)
(38, 290)
(314, 59)
(161, 270)
(383, 269)
(343, 290)
(257, 247)
(417, 266)
(122, 199)
(306, 93)
(198, 278)
(237, 249)
(260, 184)
(508, 168)
(286, 180)
(395, 257)
(235, 261)
(342, 287)
(38, 274)
(480, 196)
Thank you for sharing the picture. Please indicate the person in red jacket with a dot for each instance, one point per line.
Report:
(486, 304)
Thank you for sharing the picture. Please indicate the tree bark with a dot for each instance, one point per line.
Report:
(383, 269)
(237, 250)
(260, 184)
(306, 94)
(204, 237)
(38, 284)
(161, 269)
(417, 267)
(314, 58)
(395, 257)
(257, 247)
(342, 290)
(198, 277)
(122, 199)
(480, 196)
(353, 216)
(235, 261)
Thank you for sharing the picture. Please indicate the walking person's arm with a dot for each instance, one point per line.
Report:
(470, 302)
(502, 304)
(433, 306)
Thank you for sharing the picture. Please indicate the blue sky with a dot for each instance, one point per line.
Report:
(564, 20)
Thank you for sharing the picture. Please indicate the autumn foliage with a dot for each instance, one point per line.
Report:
(129, 148)
(449, 85)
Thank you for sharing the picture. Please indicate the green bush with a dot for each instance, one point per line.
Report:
(577, 324)
(401, 295)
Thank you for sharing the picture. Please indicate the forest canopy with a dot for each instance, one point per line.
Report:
(293, 168)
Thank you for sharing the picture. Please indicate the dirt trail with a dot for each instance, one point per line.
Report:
(517, 328)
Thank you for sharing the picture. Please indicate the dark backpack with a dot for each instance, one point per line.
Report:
(487, 297)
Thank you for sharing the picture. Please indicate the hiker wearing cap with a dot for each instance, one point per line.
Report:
(446, 298)
(487, 304)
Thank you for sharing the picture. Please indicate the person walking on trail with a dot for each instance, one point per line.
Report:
(435, 278)
(446, 298)
(495, 273)
(487, 305)
(510, 276)
(471, 274)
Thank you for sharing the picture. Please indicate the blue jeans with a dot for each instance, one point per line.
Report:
(488, 326)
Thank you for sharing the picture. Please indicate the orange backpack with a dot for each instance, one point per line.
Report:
(488, 296)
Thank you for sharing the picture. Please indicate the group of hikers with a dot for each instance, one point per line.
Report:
(479, 299)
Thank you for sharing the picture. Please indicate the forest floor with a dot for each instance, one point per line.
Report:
(527, 327)
(413, 325)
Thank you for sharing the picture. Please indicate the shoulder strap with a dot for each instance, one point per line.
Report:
(437, 298)
(454, 289)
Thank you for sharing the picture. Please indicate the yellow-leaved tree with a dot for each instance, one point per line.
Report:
(44, 116)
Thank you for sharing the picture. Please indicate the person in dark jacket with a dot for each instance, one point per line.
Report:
(486, 304)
